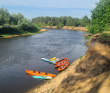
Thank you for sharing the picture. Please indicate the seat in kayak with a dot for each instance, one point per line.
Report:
(60, 63)
(64, 66)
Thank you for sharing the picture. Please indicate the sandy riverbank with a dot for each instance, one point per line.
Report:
(43, 30)
(69, 28)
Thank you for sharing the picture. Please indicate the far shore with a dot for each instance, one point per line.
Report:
(44, 30)
(69, 28)
(10, 36)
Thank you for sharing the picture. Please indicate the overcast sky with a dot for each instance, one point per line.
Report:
(34, 8)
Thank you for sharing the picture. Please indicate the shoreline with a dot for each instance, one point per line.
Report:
(44, 30)
(68, 28)
(53, 83)
(27, 34)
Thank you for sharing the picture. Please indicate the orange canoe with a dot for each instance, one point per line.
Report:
(60, 63)
(63, 66)
(60, 60)
(37, 73)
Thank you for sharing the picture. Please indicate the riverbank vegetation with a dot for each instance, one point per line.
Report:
(15, 24)
(62, 21)
(100, 18)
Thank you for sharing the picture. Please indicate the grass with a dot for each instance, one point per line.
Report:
(88, 37)
(49, 81)
(24, 34)
(81, 57)
(5, 35)
(48, 91)
(105, 35)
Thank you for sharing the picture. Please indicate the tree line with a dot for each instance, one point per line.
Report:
(61, 21)
(15, 23)
(18, 24)
(100, 18)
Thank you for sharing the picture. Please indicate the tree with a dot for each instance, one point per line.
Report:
(4, 16)
(62, 21)
(100, 17)
(84, 21)
(15, 23)
(17, 18)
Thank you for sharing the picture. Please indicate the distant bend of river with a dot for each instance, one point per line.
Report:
(20, 53)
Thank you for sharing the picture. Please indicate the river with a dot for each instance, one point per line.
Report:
(20, 53)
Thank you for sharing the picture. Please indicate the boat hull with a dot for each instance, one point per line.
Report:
(61, 62)
(64, 66)
(37, 73)
(47, 60)
(42, 77)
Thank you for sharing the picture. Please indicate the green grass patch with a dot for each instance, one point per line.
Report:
(105, 35)
(88, 37)
(81, 57)
(49, 81)
(15, 35)
(5, 35)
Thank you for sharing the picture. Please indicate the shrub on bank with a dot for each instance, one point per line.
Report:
(12, 30)
(15, 23)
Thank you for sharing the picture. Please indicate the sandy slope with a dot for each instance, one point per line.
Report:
(93, 69)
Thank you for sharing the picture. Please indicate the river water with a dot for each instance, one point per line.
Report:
(20, 53)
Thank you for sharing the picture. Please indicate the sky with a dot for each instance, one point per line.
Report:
(34, 8)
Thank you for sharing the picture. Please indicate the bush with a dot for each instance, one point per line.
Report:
(10, 30)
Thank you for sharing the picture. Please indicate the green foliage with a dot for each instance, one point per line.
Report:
(105, 34)
(85, 20)
(4, 16)
(10, 30)
(60, 25)
(16, 18)
(88, 37)
(81, 57)
(100, 17)
(61, 21)
(15, 23)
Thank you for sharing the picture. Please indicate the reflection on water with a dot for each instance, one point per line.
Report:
(20, 53)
